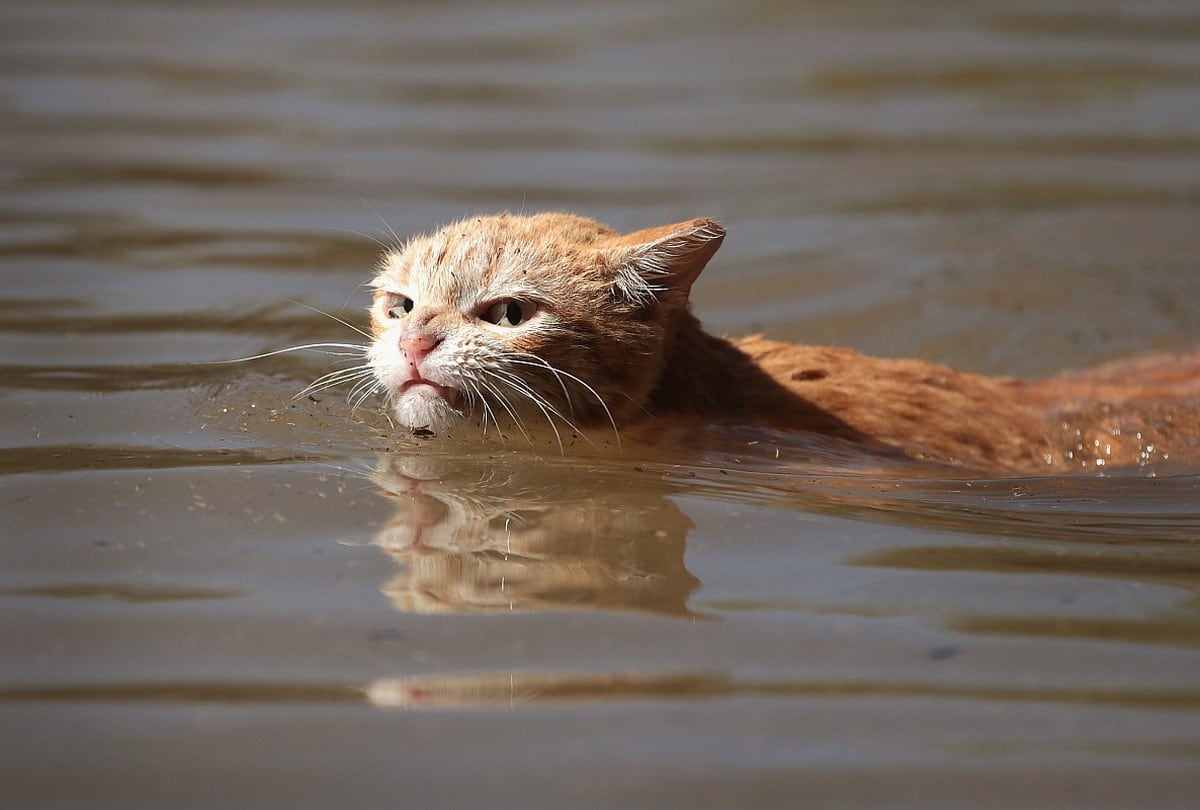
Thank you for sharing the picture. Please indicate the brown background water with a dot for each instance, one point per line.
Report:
(214, 595)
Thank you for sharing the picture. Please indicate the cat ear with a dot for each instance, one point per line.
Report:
(663, 263)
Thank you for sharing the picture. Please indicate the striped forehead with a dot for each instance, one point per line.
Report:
(463, 267)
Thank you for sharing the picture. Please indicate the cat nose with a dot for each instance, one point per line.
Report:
(417, 343)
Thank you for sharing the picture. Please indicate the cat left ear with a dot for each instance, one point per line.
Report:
(665, 262)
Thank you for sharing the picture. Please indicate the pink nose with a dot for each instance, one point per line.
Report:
(418, 343)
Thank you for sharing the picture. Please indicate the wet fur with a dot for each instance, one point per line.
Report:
(614, 344)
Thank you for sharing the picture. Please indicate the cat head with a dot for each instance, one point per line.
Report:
(546, 318)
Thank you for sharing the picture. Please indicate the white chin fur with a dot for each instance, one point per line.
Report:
(418, 409)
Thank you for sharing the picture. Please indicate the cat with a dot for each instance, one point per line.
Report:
(557, 318)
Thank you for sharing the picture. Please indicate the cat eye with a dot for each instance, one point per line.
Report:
(510, 312)
(398, 305)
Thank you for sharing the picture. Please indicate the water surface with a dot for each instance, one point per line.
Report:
(215, 594)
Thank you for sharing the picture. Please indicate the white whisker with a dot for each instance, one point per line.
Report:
(557, 371)
(521, 387)
(345, 323)
(334, 378)
(366, 378)
(399, 243)
(347, 373)
(368, 236)
(474, 394)
(557, 375)
(361, 392)
(503, 400)
(357, 351)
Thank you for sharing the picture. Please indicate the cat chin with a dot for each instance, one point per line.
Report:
(423, 408)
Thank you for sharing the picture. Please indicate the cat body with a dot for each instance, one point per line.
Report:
(557, 319)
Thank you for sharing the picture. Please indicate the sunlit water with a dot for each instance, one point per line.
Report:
(217, 595)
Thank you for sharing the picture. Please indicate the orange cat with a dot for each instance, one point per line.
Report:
(558, 318)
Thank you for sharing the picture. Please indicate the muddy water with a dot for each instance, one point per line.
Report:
(216, 595)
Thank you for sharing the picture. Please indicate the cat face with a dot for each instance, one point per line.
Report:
(548, 318)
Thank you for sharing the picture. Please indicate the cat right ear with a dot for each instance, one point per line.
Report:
(663, 263)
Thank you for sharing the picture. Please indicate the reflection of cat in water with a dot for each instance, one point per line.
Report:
(557, 319)
(471, 543)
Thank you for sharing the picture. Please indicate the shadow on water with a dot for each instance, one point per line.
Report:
(474, 536)
(508, 530)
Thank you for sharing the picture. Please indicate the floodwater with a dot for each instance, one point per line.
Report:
(216, 595)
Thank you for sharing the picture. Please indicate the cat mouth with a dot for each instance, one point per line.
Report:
(428, 388)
